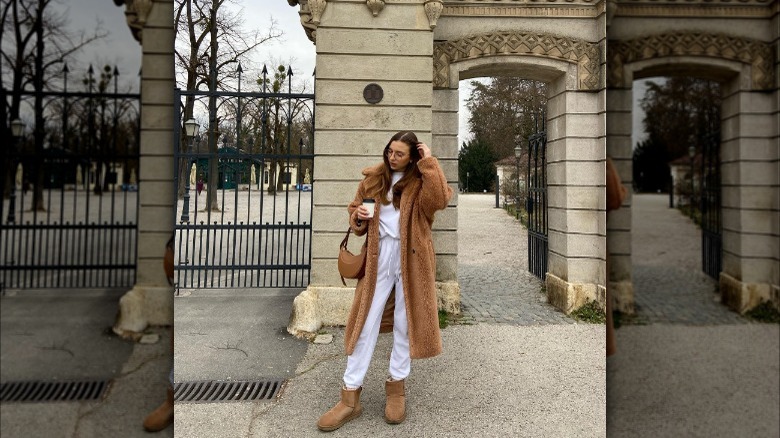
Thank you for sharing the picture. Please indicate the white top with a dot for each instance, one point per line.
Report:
(389, 216)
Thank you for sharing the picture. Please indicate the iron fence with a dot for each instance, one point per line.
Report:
(245, 207)
(710, 204)
(69, 211)
(536, 198)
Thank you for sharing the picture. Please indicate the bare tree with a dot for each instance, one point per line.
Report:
(211, 36)
(26, 22)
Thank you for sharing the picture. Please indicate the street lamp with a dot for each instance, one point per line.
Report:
(467, 182)
(518, 154)
(191, 128)
(691, 154)
(17, 131)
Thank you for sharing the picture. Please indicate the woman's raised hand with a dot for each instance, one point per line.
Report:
(424, 150)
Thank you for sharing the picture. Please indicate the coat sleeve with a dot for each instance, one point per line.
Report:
(616, 192)
(361, 229)
(434, 193)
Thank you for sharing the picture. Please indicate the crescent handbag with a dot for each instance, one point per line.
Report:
(351, 265)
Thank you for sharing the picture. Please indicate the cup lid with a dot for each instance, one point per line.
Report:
(368, 200)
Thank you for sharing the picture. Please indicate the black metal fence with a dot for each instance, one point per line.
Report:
(536, 199)
(245, 186)
(711, 225)
(68, 216)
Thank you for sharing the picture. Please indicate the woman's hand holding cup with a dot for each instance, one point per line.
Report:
(366, 210)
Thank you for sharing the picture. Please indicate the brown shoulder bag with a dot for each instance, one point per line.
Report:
(351, 265)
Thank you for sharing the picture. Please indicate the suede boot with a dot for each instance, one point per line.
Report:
(161, 417)
(395, 409)
(348, 408)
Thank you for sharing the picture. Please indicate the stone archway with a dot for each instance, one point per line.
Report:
(745, 67)
(570, 67)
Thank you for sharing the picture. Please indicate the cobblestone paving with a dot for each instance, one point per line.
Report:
(495, 284)
(669, 285)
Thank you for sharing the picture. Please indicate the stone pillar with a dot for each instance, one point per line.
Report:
(393, 49)
(576, 196)
(619, 148)
(750, 180)
(151, 299)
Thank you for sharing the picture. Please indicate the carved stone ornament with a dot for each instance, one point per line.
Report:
(316, 9)
(136, 13)
(433, 10)
(758, 54)
(375, 6)
(580, 52)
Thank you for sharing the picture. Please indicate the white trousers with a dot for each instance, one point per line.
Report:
(388, 276)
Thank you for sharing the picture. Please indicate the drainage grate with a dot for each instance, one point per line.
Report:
(51, 391)
(218, 391)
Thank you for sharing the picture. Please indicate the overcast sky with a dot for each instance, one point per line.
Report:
(293, 48)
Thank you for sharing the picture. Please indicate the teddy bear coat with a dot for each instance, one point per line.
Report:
(420, 199)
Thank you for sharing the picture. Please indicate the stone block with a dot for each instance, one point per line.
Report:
(619, 146)
(444, 123)
(159, 40)
(619, 267)
(579, 125)
(619, 100)
(622, 295)
(355, 14)
(369, 117)
(352, 142)
(448, 297)
(160, 14)
(619, 242)
(618, 123)
(589, 198)
(157, 117)
(155, 193)
(578, 149)
(446, 100)
(374, 68)
(742, 296)
(749, 149)
(567, 296)
(341, 92)
(158, 66)
(374, 41)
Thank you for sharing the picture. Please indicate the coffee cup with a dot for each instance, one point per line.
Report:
(369, 204)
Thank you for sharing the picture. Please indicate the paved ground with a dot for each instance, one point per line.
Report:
(235, 334)
(515, 372)
(692, 367)
(495, 284)
(61, 334)
(669, 285)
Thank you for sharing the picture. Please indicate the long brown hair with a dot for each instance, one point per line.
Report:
(379, 183)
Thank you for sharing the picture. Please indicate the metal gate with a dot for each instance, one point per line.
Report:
(536, 198)
(710, 203)
(69, 211)
(243, 217)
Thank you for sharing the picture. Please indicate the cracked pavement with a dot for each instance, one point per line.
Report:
(64, 335)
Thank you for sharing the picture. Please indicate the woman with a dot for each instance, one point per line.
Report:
(407, 189)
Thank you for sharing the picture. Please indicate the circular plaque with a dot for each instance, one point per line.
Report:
(373, 93)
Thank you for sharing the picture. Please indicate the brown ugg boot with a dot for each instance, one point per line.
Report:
(161, 417)
(348, 408)
(395, 409)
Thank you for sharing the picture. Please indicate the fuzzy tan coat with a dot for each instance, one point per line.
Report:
(420, 200)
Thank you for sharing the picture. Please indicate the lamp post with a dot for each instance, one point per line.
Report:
(467, 182)
(691, 154)
(191, 128)
(17, 131)
(518, 154)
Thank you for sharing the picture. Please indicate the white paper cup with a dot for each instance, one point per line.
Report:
(369, 204)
